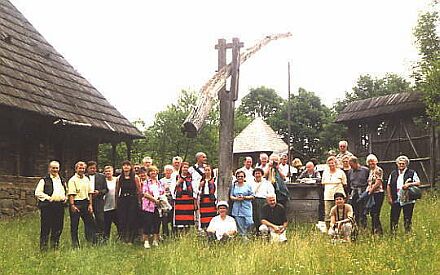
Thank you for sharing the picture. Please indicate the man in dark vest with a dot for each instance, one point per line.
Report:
(98, 185)
(51, 195)
(400, 181)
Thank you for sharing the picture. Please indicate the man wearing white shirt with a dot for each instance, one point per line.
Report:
(247, 169)
(284, 167)
(261, 187)
(222, 226)
(51, 195)
(264, 162)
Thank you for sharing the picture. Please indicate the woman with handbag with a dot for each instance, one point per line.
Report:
(400, 182)
(152, 189)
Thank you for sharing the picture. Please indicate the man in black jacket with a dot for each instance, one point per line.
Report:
(51, 195)
(99, 187)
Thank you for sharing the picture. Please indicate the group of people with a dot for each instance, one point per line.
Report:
(140, 203)
(352, 191)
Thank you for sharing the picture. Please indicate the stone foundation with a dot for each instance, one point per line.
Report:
(17, 195)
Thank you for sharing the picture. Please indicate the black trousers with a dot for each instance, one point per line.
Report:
(375, 213)
(358, 207)
(128, 213)
(98, 210)
(167, 222)
(89, 225)
(257, 204)
(110, 217)
(150, 222)
(396, 208)
(52, 221)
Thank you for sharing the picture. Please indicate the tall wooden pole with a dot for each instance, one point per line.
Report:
(289, 156)
(227, 98)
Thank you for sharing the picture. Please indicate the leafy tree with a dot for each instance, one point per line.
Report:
(263, 102)
(368, 86)
(309, 116)
(165, 138)
(240, 122)
(427, 72)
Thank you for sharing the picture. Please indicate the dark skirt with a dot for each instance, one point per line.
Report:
(207, 210)
(184, 210)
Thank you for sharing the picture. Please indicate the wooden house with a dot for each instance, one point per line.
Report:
(393, 125)
(48, 111)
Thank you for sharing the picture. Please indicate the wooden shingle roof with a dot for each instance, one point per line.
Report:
(259, 137)
(381, 105)
(35, 77)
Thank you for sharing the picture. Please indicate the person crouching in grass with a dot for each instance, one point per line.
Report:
(273, 220)
(222, 227)
(341, 217)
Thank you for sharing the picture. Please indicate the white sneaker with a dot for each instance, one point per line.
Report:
(155, 243)
(147, 244)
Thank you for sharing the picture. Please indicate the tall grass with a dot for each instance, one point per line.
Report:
(307, 252)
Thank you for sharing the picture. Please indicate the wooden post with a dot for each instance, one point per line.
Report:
(432, 155)
(114, 144)
(129, 143)
(227, 98)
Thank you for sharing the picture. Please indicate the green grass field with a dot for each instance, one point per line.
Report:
(307, 252)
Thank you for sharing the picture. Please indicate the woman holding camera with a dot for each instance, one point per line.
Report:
(399, 182)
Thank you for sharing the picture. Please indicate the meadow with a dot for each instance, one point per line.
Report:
(307, 251)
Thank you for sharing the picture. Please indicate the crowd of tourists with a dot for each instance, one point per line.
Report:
(145, 206)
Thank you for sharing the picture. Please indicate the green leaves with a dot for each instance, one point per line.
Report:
(427, 71)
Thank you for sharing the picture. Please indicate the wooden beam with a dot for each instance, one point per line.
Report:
(432, 153)
(129, 144)
(235, 68)
(415, 150)
(225, 129)
(114, 144)
(411, 160)
(195, 119)
(389, 142)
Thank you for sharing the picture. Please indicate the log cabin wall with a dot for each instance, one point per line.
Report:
(390, 136)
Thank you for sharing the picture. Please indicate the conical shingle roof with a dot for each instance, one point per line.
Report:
(258, 136)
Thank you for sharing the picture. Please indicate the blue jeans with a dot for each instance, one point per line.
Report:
(244, 224)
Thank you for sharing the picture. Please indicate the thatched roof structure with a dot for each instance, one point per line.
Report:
(258, 136)
(35, 78)
(382, 105)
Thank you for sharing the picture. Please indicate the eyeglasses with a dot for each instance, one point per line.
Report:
(240, 177)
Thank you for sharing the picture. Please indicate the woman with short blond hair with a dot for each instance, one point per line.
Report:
(375, 188)
(334, 180)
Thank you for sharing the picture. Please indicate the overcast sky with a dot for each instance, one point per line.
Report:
(140, 54)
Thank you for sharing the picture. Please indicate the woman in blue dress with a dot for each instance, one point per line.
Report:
(242, 196)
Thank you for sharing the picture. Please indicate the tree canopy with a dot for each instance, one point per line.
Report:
(427, 71)
(263, 102)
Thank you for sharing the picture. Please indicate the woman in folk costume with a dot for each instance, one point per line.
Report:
(184, 203)
(207, 197)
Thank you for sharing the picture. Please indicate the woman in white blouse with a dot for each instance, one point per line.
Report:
(110, 215)
(334, 180)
